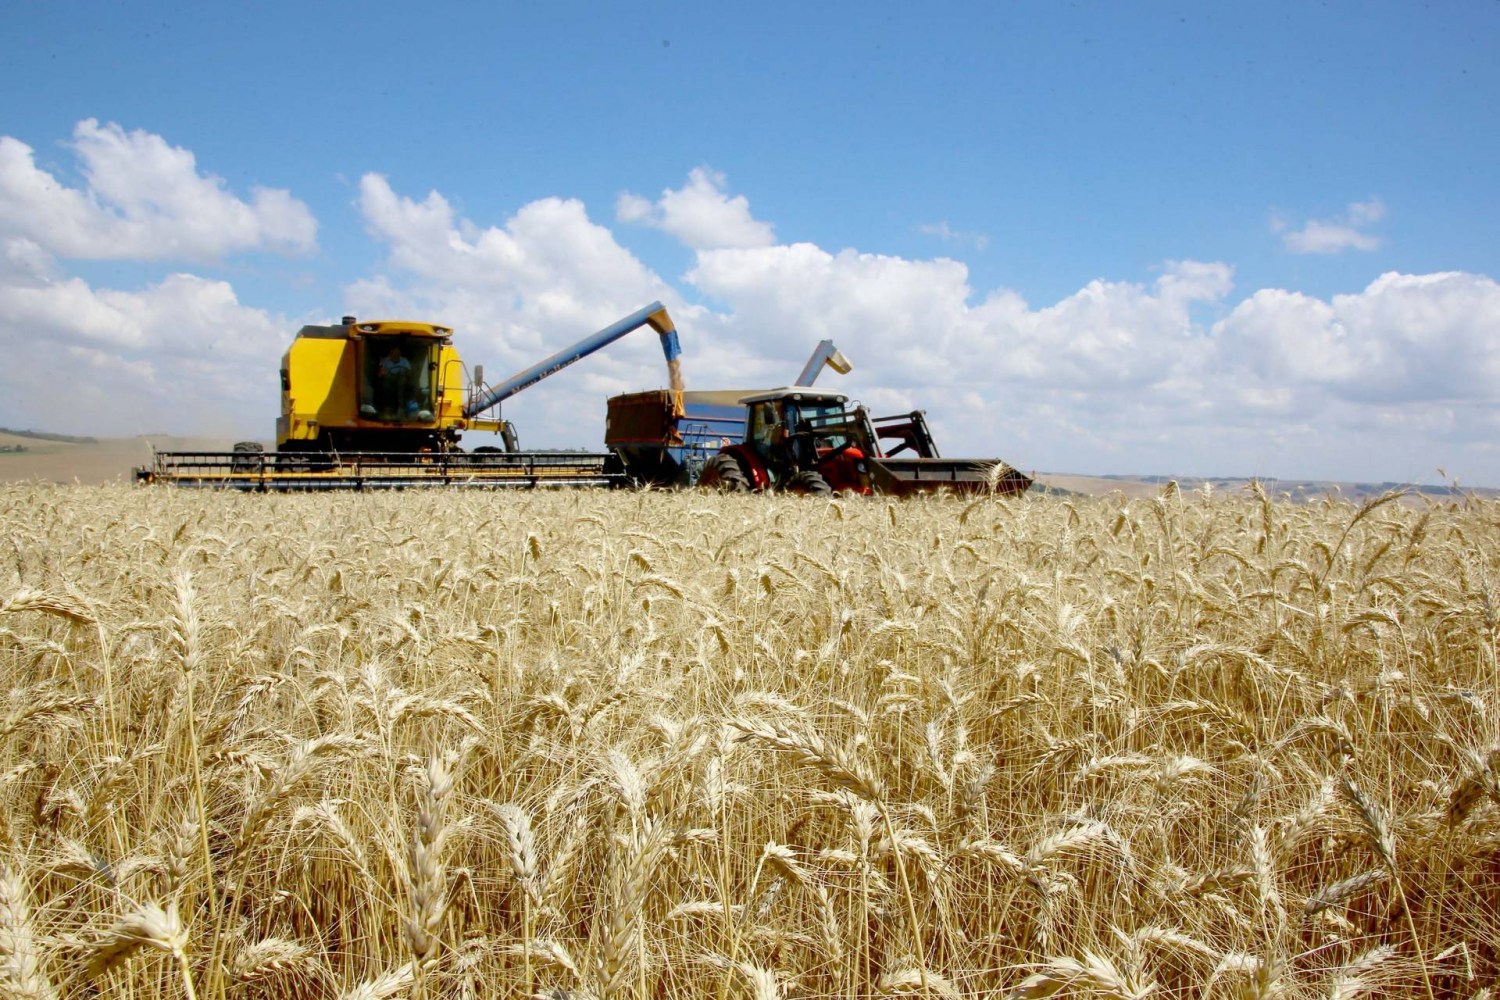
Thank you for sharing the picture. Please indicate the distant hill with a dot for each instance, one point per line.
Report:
(1294, 489)
(45, 436)
(64, 459)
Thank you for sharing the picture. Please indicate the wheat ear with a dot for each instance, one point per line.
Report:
(267, 957)
(148, 926)
(20, 959)
(387, 984)
(429, 887)
(809, 748)
(623, 933)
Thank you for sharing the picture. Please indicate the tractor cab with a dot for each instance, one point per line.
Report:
(805, 435)
(806, 420)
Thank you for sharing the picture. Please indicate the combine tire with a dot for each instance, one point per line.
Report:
(723, 473)
(249, 456)
(488, 455)
(303, 460)
(808, 483)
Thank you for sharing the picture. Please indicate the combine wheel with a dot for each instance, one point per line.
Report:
(808, 483)
(723, 472)
(303, 460)
(487, 455)
(249, 456)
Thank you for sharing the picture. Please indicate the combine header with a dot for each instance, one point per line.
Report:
(382, 405)
(381, 470)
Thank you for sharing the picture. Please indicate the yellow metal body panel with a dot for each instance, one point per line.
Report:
(322, 379)
(450, 396)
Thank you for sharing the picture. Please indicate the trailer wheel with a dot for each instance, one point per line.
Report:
(808, 483)
(723, 472)
(249, 456)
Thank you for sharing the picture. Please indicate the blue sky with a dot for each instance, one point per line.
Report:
(1162, 238)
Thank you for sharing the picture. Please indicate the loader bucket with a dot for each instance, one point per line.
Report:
(904, 476)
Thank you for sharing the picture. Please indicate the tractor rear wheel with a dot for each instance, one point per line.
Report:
(808, 483)
(723, 472)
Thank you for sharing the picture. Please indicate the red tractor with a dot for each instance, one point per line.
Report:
(804, 440)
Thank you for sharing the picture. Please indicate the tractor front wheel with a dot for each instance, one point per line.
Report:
(808, 483)
(723, 472)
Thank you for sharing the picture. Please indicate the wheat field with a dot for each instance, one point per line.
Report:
(630, 745)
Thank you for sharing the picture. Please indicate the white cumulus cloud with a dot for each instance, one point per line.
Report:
(547, 272)
(1349, 231)
(180, 354)
(181, 351)
(517, 293)
(699, 214)
(1176, 372)
(1404, 339)
(948, 234)
(142, 200)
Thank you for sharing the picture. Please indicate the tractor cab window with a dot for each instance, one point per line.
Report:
(766, 426)
(397, 379)
(826, 424)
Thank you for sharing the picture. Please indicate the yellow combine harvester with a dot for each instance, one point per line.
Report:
(371, 405)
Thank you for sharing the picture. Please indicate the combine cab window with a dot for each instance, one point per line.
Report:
(398, 380)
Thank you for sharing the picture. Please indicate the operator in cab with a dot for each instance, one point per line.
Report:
(393, 375)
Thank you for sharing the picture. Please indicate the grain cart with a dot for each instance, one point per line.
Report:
(382, 404)
(803, 440)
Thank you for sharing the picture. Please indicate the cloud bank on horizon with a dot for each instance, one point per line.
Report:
(119, 314)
